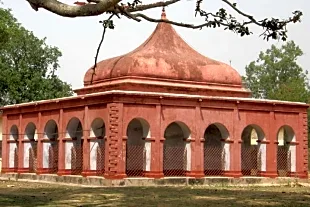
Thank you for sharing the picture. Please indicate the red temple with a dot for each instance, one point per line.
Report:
(161, 110)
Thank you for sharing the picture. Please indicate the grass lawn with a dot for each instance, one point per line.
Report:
(41, 194)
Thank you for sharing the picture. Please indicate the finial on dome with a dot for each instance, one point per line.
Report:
(163, 14)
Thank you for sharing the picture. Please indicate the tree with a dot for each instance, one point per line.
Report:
(273, 27)
(27, 65)
(276, 75)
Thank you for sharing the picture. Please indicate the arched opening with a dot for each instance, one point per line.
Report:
(216, 150)
(253, 151)
(286, 153)
(74, 147)
(50, 147)
(14, 133)
(13, 148)
(138, 150)
(97, 146)
(30, 147)
(177, 152)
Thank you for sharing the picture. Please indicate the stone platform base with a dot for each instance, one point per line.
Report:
(167, 181)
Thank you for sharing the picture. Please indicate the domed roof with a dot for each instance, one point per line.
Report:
(165, 55)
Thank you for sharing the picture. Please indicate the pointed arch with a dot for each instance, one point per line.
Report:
(13, 147)
(97, 146)
(286, 151)
(74, 128)
(177, 151)
(138, 150)
(253, 151)
(50, 147)
(30, 131)
(216, 150)
(14, 133)
(51, 130)
(97, 128)
(74, 146)
(30, 148)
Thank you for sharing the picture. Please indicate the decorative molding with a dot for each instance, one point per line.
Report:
(96, 138)
(150, 139)
(189, 139)
(113, 149)
(305, 140)
(227, 141)
(263, 141)
(293, 143)
(12, 141)
(124, 138)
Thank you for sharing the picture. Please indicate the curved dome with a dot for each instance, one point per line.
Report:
(165, 55)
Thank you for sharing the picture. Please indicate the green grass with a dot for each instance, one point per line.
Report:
(41, 194)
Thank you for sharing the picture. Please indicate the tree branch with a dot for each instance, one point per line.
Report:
(152, 6)
(180, 24)
(66, 10)
(273, 27)
(93, 7)
(241, 13)
(106, 24)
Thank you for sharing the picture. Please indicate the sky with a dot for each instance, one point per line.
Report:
(78, 38)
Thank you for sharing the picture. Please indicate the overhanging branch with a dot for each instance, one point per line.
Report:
(66, 10)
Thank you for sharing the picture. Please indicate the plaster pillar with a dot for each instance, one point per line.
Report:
(116, 143)
(197, 146)
(5, 145)
(301, 148)
(61, 145)
(123, 158)
(40, 132)
(86, 144)
(235, 147)
(271, 149)
(21, 168)
(160, 142)
(156, 147)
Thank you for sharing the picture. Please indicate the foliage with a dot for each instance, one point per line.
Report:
(277, 75)
(27, 65)
(273, 28)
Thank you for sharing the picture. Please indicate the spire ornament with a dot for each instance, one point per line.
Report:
(163, 14)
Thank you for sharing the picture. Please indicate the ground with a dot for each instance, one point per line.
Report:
(42, 194)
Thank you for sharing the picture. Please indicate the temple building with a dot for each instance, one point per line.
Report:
(161, 110)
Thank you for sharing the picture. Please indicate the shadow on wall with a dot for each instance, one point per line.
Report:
(0, 143)
(0, 154)
(308, 159)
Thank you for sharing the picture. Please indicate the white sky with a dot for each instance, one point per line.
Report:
(78, 38)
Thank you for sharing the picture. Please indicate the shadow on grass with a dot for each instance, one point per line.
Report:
(34, 194)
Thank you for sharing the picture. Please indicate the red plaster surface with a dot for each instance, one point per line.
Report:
(186, 87)
(159, 113)
(165, 55)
